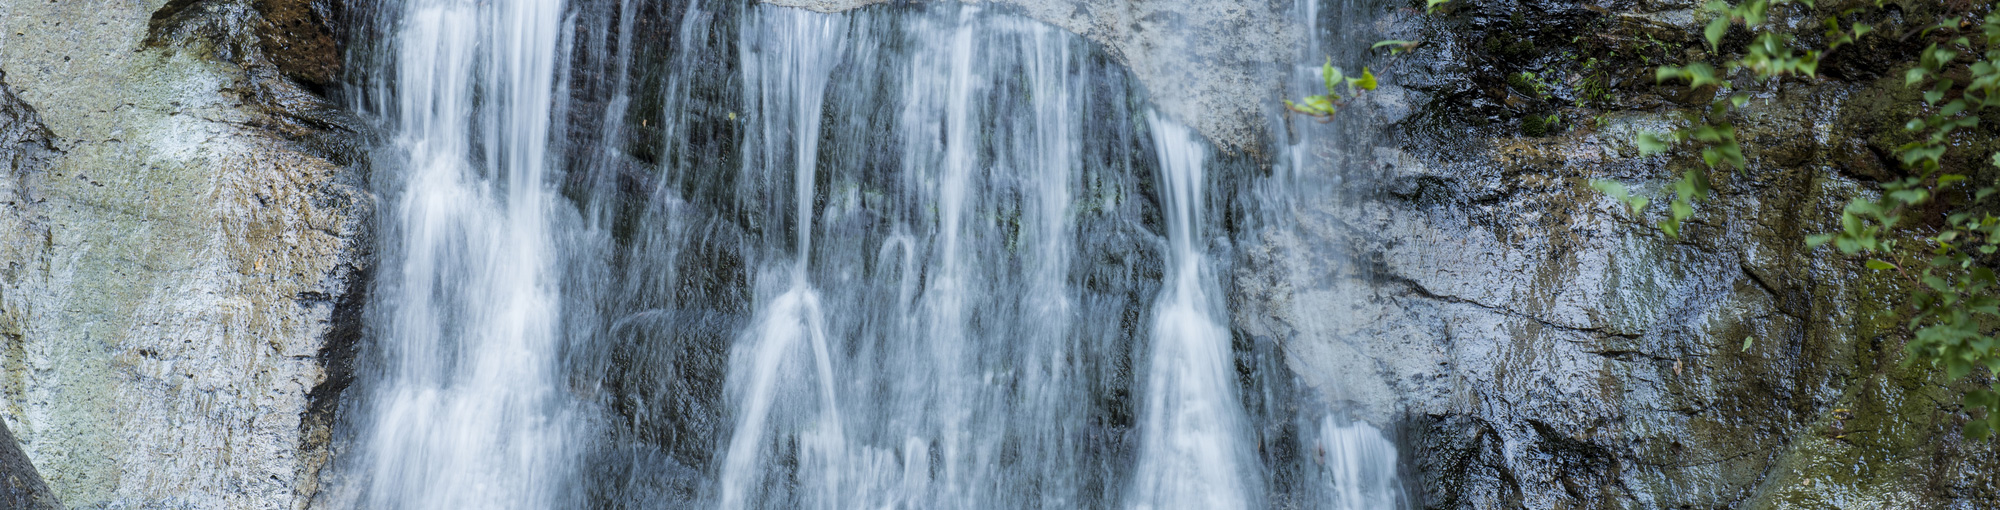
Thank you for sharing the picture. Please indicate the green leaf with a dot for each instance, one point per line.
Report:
(1617, 191)
(1613, 188)
(1814, 241)
(1716, 29)
(1366, 81)
(1697, 74)
(1880, 265)
(1330, 73)
(1747, 341)
(1650, 144)
(1432, 7)
(1847, 245)
(1910, 196)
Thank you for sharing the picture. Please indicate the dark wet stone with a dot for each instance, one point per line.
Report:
(20, 486)
(298, 38)
(1549, 349)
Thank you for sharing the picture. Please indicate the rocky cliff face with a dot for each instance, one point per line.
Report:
(1438, 259)
(24, 149)
(180, 243)
(1548, 349)
(183, 236)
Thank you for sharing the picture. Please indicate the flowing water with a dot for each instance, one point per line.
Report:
(1191, 453)
(716, 255)
(470, 409)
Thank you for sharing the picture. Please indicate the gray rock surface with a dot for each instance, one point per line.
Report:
(1546, 348)
(173, 266)
(1216, 66)
(24, 148)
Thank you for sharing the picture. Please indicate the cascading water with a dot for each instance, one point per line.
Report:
(1192, 454)
(914, 256)
(470, 409)
(1360, 466)
(788, 67)
(929, 392)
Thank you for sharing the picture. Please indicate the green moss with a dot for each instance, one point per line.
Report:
(1875, 446)
(1534, 126)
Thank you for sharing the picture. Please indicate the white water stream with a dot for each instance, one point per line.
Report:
(473, 413)
(1192, 455)
(959, 289)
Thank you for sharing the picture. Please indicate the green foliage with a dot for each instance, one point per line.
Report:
(1323, 106)
(1397, 46)
(1633, 203)
(1955, 294)
(1950, 266)
(1530, 84)
(1769, 57)
(1595, 87)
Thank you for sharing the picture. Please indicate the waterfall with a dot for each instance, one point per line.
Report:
(727, 255)
(954, 343)
(787, 67)
(1192, 454)
(470, 411)
(1359, 467)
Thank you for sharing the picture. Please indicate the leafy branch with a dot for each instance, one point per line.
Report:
(1769, 57)
(1323, 106)
(1954, 295)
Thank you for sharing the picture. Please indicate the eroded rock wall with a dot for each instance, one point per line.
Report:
(1548, 348)
(175, 265)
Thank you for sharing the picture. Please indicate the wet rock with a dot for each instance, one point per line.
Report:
(178, 262)
(298, 37)
(1215, 66)
(1547, 348)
